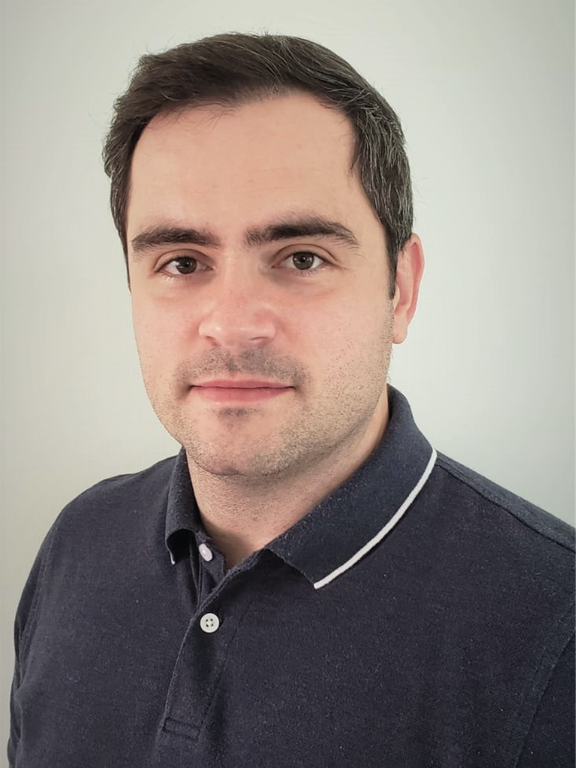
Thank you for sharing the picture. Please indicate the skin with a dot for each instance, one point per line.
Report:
(247, 311)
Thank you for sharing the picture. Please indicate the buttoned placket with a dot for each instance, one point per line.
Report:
(206, 644)
(208, 565)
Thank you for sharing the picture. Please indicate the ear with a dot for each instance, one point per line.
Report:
(408, 275)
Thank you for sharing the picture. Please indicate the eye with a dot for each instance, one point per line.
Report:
(303, 261)
(184, 265)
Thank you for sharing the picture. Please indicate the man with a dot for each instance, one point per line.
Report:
(308, 583)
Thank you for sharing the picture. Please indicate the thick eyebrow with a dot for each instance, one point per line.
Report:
(311, 226)
(166, 234)
(285, 229)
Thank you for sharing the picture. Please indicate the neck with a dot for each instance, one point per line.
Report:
(242, 514)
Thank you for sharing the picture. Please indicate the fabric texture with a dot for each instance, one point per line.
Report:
(420, 616)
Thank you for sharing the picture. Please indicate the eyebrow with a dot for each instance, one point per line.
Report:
(285, 229)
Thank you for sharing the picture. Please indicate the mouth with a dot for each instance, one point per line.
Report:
(245, 393)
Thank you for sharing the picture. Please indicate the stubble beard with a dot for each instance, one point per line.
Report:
(237, 442)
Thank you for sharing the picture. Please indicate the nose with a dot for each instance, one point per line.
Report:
(239, 312)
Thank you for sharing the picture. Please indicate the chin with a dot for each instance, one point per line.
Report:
(226, 464)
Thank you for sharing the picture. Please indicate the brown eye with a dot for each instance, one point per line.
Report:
(303, 260)
(185, 265)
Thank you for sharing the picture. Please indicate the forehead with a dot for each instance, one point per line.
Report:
(289, 151)
(260, 128)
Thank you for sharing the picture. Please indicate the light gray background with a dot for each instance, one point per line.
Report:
(485, 92)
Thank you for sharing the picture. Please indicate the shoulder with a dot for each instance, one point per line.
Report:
(488, 502)
(126, 506)
(497, 551)
(152, 480)
(116, 515)
(503, 569)
(118, 498)
(515, 555)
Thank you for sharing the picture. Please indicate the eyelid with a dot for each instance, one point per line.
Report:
(174, 256)
(304, 250)
(200, 258)
(194, 254)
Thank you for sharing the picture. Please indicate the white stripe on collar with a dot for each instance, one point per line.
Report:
(387, 528)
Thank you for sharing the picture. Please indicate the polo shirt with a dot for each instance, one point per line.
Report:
(418, 616)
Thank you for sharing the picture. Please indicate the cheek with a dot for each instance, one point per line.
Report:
(346, 331)
(158, 332)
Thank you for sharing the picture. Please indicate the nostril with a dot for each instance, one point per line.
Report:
(237, 328)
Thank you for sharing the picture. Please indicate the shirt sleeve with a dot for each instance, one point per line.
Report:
(551, 738)
(23, 620)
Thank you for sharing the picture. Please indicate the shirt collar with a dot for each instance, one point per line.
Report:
(345, 525)
(182, 513)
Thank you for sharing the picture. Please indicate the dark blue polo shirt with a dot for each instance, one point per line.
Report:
(418, 616)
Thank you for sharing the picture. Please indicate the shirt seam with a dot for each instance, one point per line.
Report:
(521, 741)
(496, 502)
(26, 634)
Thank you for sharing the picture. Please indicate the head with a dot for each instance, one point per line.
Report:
(231, 69)
(262, 194)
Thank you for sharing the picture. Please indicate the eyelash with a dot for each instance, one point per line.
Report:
(301, 272)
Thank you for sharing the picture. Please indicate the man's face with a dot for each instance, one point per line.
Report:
(250, 296)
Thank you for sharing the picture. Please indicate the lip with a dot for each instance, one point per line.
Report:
(243, 392)
(241, 384)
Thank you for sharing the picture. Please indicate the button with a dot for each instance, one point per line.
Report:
(206, 552)
(209, 622)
